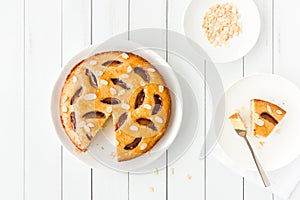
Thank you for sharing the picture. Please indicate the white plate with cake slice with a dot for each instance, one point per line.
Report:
(84, 116)
(273, 134)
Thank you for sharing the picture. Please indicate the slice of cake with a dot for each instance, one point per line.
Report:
(237, 122)
(264, 117)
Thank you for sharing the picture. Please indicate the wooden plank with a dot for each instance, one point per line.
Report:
(148, 14)
(12, 101)
(187, 173)
(286, 44)
(220, 178)
(215, 175)
(76, 180)
(43, 54)
(259, 60)
(109, 17)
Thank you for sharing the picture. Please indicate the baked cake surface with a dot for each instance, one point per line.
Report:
(264, 117)
(124, 86)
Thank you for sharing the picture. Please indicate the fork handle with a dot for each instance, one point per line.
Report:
(261, 171)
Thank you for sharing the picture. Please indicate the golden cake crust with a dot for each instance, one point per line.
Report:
(124, 86)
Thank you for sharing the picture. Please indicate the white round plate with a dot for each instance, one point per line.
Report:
(282, 146)
(239, 45)
(102, 149)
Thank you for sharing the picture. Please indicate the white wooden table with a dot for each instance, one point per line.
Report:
(38, 37)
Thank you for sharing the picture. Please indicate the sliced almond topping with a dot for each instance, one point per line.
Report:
(64, 99)
(91, 125)
(125, 106)
(133, 128)
(109, 109)
(256, 116)
(93, 62)
(129, 69)
(147, 106)
(81, 124)
(124, 76)
(159, 119)
(279, 112)
(142, 83)
(99, 73)
(121, 92)
(161, 88)
(74, 79)
(103, 82)
(143, 146)
(259, 122)
(64, 109)
(125, 55)
(269, 109)
(113, 91)
(151, 70)
(87, 129)
(90, 97)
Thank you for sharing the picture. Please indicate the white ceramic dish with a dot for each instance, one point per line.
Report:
(282, 145)
(237, 46)
(103, 145)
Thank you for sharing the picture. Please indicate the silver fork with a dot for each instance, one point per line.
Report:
(243, 133)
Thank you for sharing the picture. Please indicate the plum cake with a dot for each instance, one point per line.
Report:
(120, 85)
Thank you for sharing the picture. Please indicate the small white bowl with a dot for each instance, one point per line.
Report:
(238, 46)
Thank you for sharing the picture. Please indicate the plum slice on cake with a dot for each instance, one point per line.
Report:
(265, 116)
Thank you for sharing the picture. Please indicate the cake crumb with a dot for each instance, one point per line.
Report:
(148, 154)
(155, 171)
(261, 143)
(278, 131)
(102, 147)
(189, 177)
(171, 171)
(112, 154)
(151, 189)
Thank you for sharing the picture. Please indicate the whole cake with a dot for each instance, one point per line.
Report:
(118, 84)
